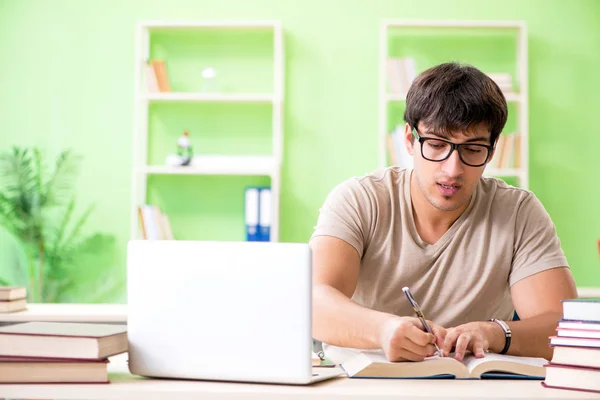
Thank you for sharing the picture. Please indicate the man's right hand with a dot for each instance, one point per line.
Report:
(403, 339)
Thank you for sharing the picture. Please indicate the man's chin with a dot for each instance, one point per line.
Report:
(446, 204)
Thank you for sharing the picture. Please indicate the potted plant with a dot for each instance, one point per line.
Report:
(38, 208)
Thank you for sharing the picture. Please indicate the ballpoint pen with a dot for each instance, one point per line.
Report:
(419, 313)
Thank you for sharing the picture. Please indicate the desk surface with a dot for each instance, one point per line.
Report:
(126, 386)
(99, 313)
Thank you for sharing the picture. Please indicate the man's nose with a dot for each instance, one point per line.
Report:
(453, 166)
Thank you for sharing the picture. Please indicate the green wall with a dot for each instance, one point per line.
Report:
(66, 80)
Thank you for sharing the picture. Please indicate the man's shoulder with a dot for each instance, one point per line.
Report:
(503, 194)
(382, 178)
(377, 187)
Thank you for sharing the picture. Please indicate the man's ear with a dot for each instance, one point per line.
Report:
(408, 139)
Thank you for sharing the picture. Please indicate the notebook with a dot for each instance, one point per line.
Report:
(374, 364)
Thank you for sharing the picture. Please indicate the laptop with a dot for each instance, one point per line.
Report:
(224, 311)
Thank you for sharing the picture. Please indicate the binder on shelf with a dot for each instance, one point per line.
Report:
(251, 212)
(264, 215)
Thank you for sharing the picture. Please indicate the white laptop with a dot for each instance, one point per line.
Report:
(227, 311)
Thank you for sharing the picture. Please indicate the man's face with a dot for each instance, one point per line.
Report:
(447, 185)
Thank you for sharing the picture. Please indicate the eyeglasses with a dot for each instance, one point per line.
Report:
(437, 150)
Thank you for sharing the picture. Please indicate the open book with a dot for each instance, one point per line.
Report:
(374, 364)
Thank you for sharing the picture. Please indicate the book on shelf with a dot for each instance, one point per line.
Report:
(503, 80)
(401, 72)
(508, 152)
(397, 151)
(154, 223)
(63, 340)
(389, 144)
(264, 214)
(44, 370)
(151, 81)
(157, 77)
(374, 364)
(257, 213)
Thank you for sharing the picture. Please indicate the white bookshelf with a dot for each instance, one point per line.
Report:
(211, 97)
(217, 164)
(520, 99)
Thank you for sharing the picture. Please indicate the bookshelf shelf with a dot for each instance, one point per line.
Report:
(453, 24)
(219, 165)
(392, 97)
(231, 47)
(173, 25)
(396, 73)
(211, 97)
(503, 172)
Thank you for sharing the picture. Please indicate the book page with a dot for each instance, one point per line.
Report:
(374, 364)
(505, 363)
(340, 354)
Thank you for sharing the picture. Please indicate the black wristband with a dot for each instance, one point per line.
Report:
(507, 334)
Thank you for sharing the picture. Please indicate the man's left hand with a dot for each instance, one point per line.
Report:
(474, 336)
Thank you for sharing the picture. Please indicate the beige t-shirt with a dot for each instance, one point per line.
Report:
(504, 235)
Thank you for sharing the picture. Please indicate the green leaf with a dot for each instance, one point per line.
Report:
(59, 187)
(37, 206)
(4, 282)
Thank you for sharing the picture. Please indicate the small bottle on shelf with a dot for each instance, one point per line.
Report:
(184, 148)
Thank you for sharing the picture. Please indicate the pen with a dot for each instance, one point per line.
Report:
(419, 313)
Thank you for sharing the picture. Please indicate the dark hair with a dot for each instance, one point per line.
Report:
(452, 97)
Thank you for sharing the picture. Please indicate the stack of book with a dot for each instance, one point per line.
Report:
(508, 152)
(13, 298)
(54, 352)
(575, 364)
(154, 223)
(401, 72)
(396, 147)
(503, 80)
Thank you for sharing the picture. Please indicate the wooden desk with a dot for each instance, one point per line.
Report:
(98, 313)
(128, 387)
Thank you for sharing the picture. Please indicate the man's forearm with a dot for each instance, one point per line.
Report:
(529, 336)
(339, 321)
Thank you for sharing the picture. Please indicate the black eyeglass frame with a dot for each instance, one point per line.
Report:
(453, 146)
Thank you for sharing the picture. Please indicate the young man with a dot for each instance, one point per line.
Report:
(470, 248)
